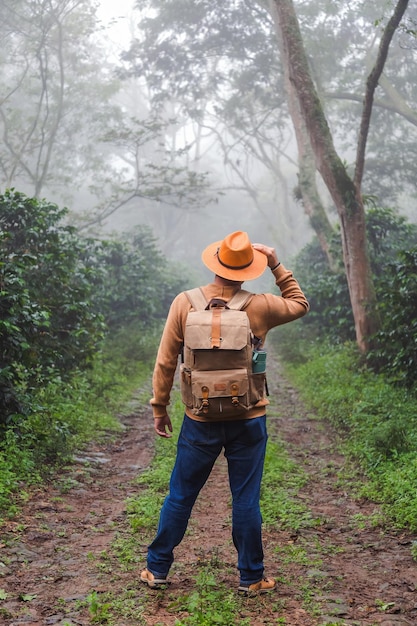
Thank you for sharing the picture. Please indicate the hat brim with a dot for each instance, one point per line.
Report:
(254, 270)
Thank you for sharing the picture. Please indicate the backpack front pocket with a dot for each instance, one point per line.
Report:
(221, 393)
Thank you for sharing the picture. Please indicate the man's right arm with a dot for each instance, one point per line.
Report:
(163, 426)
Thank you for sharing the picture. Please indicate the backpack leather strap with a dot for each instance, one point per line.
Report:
(199, 303)
(216, 327)
(196, 298)
(240, 300)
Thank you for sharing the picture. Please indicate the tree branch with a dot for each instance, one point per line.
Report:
(371, 85)
(398, 106)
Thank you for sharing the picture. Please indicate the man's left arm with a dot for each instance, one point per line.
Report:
(292, 304)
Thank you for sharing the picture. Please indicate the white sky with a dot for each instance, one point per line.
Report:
(109, 9)
(115, 16)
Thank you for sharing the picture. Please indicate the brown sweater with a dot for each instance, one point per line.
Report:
(265, 311)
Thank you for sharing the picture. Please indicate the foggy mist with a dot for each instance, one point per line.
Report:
(134, 113)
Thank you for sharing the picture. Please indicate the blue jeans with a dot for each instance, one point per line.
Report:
(199, 445)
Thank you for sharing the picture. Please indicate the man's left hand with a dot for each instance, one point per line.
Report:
(269, 252)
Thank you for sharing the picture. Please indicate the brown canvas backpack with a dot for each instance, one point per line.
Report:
(217, 380)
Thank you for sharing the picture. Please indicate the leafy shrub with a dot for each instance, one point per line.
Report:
(393, 257)
(327, 291)
(388, 233)
(137, 283)
(395, 345)
(45, 318)
(132, 346)
(15, 466)
(79, 321)
(64, 417)
(211, 604)
(61, 293)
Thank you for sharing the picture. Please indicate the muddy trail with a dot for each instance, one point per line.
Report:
(60, 564)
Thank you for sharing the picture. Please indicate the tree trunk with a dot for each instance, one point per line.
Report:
(345, 195)
(312, 203)
(307, 192)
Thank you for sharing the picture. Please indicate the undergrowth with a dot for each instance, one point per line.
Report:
(281, 481)
(377, 420)
(209, 604)
(65, 416)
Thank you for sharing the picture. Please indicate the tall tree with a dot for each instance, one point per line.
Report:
(342, 40)
(226, 75)
(346, 193)
(67, 131)
(233, 100)
(55, 89)
(231, 63)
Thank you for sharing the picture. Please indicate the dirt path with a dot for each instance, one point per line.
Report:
(57, 560)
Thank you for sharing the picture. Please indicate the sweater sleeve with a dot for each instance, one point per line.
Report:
(167, 357)
(296, 303)
(268, 310)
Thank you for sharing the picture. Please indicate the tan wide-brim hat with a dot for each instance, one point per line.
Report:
(234, 258)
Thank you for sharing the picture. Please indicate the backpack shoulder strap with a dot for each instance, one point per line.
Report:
(199, 303)
(197, 299)
(240, 300)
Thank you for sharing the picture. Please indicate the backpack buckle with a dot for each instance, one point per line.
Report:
(205, 402)
(234, 388)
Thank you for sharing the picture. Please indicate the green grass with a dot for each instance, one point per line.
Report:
(281, 480)
(107, 608)
(66, 415)
(210, 604)
(377, 421)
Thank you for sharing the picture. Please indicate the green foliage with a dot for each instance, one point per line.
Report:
(393, 254)
(99, 610)
(63, 418)
(128, 349)
(327, 291)
(137, 283)
(16, 466)
(388, 233)
(61, 293)
(210, 604)
(111, 606)
(79, 321)
(395, 345)
(393, 484)
(45, 318)
(377, 420)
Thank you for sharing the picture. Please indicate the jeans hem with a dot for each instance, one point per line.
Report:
(155, 573)
(252, 581)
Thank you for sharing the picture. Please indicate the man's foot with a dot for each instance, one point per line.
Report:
(263, 586)
(154, 583)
